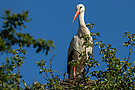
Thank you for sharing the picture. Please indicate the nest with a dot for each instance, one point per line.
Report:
(73, 82)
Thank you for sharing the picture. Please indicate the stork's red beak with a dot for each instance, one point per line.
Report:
(76, 14)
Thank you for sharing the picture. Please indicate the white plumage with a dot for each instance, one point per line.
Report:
(75, 47)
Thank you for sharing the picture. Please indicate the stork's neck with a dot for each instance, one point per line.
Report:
(83, 30)
(81, 20)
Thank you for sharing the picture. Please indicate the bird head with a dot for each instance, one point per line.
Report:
(79, 9)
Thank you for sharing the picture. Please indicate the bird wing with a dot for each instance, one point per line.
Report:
(75, 48)
(71, 51)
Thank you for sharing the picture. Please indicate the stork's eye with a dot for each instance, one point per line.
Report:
(80, 7)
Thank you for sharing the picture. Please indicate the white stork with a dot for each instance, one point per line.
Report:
(75, 47)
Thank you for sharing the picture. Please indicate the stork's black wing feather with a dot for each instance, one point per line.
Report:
(70, 58)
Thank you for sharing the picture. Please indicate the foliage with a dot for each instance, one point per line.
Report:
(9, 35)
(119, 73)
(9, 80)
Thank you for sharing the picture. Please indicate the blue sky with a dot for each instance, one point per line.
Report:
(52, 20)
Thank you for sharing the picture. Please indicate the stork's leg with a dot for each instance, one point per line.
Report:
(74, 73)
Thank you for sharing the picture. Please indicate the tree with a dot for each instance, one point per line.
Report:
(9, 37)
(119, 73)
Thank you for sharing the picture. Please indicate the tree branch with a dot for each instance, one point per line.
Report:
(44, 77)
(129, 54)
(51, 66)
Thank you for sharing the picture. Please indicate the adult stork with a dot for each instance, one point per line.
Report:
(75, 47)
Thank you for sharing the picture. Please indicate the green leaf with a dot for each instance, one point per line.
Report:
(7, 60)
(96, 43)
(40, 71)
(88, 24)
(92, 24)
(14, 15)
(98, 34)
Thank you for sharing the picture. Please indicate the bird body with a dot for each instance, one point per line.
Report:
(75, 47)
